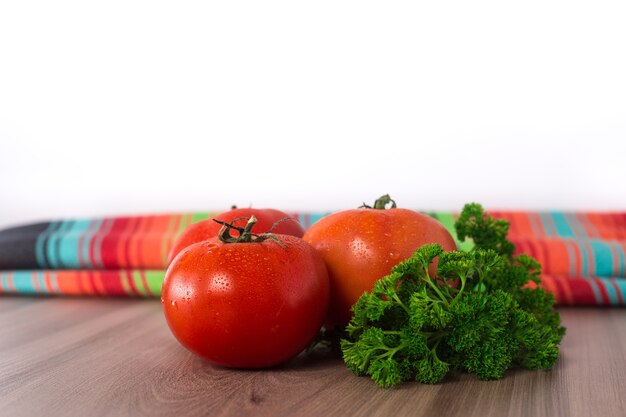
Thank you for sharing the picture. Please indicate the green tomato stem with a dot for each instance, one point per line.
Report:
(381, 203)
(245, 234)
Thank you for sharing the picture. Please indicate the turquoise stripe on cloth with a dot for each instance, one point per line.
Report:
(23, 282)
(561, 225)
(68, 244)
(302, 219)
(603, 258)
(317, 216)
(52, 246)
(40, 245)
(5, 280)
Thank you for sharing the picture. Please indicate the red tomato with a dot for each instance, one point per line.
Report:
(207, 229)
(246, 305)
(361, 246)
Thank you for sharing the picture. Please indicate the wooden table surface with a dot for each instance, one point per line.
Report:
(92, 357)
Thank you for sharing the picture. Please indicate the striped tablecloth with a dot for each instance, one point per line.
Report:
(582, 253)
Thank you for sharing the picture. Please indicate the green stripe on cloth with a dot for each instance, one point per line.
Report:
(448, 219)
(155, 281)
(202, 215)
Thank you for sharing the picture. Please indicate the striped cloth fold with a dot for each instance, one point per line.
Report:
(582, 253)
(133, 242)
(147, 283)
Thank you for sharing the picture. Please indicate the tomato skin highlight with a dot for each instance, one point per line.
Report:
(360, 246)
(246, 305)
(207, 229)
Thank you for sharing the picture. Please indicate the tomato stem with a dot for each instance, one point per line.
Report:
(381, 203)
(245, 233)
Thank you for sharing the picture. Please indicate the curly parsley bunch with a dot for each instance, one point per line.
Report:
(477, 314)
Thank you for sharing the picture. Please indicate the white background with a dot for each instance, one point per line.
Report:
(121, 107)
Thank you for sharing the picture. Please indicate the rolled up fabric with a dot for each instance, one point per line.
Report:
(582, 254)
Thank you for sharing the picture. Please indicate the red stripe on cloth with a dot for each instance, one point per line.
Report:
(154, 241)
(622, 224)
(112, 282)
(519, 245)
(561, 289)
(121, 247)
(141, 244)
(524, 225)
(567, 291)
(527, 247)
(136, 242)
(82, 283)
(545, 257)
(620, 233)
(109, 251)
(128, 260)
(582, 290)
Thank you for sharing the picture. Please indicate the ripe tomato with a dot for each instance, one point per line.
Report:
(246, 305)
(361, 246)
(207, 229)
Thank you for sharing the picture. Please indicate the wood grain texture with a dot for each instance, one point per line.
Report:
(114, 357)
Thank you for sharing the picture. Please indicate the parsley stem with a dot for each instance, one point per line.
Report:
(463, 278)
(436, 289)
